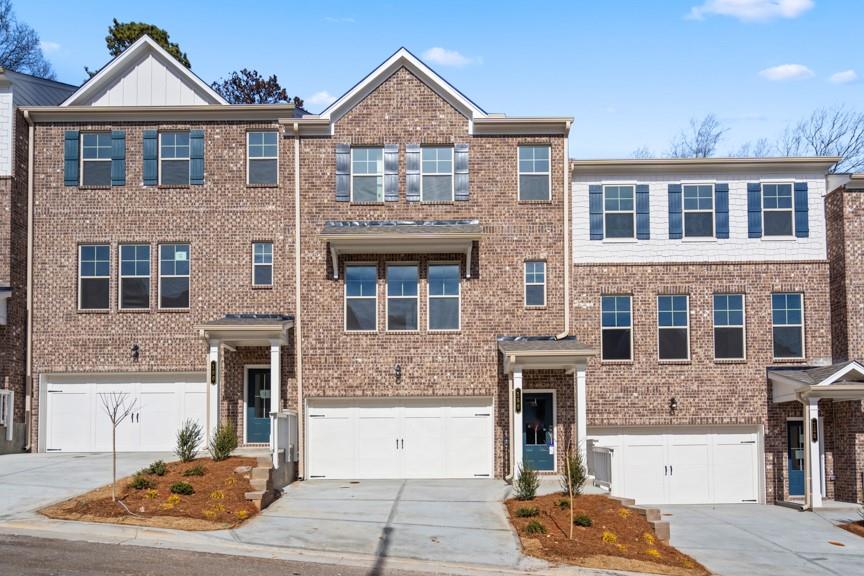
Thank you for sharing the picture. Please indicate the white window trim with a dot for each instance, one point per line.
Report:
(387, 298)
(351, 175)
(82, 160)
(430, 297)
(743, 326)
(345, 298)
(630, 328)
(121, 276)
(631, 212)
(685, 211)
(801, 326)
(661, 328)
(271, 265)
(81, 278)
(452, 174)
(189, 275)
(249, 158)
(764, 210)
(159, 158)
(520, 173)
(525, 283)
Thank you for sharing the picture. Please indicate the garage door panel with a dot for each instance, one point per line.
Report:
(643, 469)
(72, 411)
(689, 479)
(468, 447)
(735, 473)
(331, 447)
(424, 452)
(376, 453)
(159, 418)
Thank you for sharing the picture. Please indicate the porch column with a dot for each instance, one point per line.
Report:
(517, 420)
(581, 413)
(214, 377)
(275, 399)
(812, 456)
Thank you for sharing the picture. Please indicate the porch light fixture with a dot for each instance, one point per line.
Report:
(397, 371)
(673, 405)
(136, 352)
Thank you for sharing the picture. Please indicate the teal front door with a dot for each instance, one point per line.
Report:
(258, 406)
(795, 454)
(538, 430)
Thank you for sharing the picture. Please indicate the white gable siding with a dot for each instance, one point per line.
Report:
(738, 247)
(7, 127)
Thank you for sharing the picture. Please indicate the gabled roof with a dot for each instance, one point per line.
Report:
(843, 381)
(116, 69)
(402, 58)
(29, 90)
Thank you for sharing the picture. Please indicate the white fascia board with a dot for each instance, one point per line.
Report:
(854, 366)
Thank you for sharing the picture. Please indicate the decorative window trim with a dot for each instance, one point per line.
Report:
(121, 276)
(378, 175)
(387, 296)
(660, 328)
(160, 159)
(82, 160)
(263, 264)
(631, 212)
(457, 297)
(161, 275)
(520, 173)
(346, 297)
(250, 159)
(743, 326)
(451, 174)
(790, 210)
(628, 328)
(801, 326)
(99, 277)
(685, 210)
(526, 283)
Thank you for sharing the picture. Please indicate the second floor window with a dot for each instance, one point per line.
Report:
(174, 276)
(616, 327)
(436, 183)
(619, 211)
(777, 213)
(134, 276)
(444, 296)
(174, 158)
(673, 325)
(96, 159)
(535, 283)
(402, 297)
(534, 174)
(361, 297)
(729, 326)
(698, 210)
(262, 158)
(94, 276)
(787, 317)
(367, 174)
(262, 264)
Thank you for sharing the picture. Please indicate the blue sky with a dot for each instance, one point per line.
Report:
(632, 73)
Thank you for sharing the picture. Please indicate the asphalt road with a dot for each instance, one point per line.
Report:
(25, 556)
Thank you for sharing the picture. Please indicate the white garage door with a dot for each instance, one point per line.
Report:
(76, 420)
(686, 466)
(387, 438)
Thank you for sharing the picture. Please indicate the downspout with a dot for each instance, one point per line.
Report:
(567, 263)
(28, 378)
(509, 476)
(298, 316)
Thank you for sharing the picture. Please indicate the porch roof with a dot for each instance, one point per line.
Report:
(248, 329)
(542, 352)
(842, 381)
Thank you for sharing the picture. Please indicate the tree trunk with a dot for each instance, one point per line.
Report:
(569, 488)
(114, 464)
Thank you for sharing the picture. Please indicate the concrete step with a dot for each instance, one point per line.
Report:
(261, 473)
(264, 461)
(261, 484)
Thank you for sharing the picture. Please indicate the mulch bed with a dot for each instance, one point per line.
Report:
(619, 538)
(854, 527)
(218, 501)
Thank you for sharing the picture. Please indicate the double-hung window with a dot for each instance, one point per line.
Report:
(619, 212)
(96, 159)
(436, 182)
(262, 264)
(778, 218)
(534, 173)
(535, 283)
(402, 297)
(787, 315)
(361, 297)
(616, 328)
(698, 210)
(262, 157)
(367, 174)
(444, 296)
(673, 324)
(94, 273)
(174, 158)
(174, 276)
(134, 276)
(729, 327)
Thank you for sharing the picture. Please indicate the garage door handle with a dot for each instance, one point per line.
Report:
(670, 470)
(665, 470)
(403, 444)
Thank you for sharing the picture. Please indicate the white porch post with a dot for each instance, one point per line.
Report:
(275, 398)
(518, 407)
(214, 377)
(581, 413)
(812, 457)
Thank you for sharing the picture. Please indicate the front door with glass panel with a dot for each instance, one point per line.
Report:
(795, 436)
(258, 405)
(538, 426)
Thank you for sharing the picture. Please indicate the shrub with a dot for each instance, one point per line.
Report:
(653, 552)
(577, 477)
(609, 537)
(648, 538)
(209, 514)
(624, 512)
(182, 488)
(535, 527)
(582, 520)
(223, 443)
(197, 470)
(527, 512)
(527, 483)
(217, 495)
(151, 494)
(563, 504)
(189, 438)
(241, 514)
(157, 468)
(170, 502)
(141, 482)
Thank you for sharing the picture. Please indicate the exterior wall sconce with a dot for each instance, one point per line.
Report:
(397, 371)
(136, 352)
(673, 406)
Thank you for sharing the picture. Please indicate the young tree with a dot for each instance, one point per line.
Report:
(117, 407)
(700, 140)
(249, 87)
(643, 153)
(837, 131)
(19, 45)
(760, 148)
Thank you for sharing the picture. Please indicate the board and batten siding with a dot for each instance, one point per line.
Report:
(660, 248)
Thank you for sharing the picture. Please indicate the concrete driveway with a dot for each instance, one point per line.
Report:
(30, 481)
(460, 521)
(736, 539)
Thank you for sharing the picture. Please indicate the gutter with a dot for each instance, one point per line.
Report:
(28, 378)
(298, 311)
(567, 263)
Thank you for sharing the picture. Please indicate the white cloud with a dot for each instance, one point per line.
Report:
(445, 57)
(844, 77)
(787, 72)
(49, 47)
(751, 10)
(321, 98)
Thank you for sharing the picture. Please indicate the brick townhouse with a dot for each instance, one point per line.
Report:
(432, 290)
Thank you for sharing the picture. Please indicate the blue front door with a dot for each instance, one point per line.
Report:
(538, 444)
(258, 405)
(795, 442)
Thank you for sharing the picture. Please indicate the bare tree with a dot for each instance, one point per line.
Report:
(118, 407)
(643, 153)
(700, 140)
(759, 148)
(19, 45)
(836, 131)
